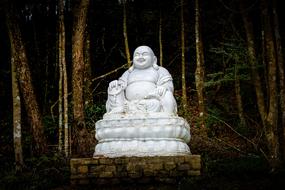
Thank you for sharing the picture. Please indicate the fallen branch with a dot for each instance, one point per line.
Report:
(245, 138)
(96, 86)
(226, 124)
(230, 145)
(111, 72)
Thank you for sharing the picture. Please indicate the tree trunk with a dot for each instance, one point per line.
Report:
(46, 61)
(239, 98)
(269, 114)
(280, 62)
(88, 97)
(63, 90)
(200, 71)
(67, 146)
(272, 115)
(125, 33)
(253, 63)
(183, 73)
(160, 38)
(60, 97)
(17, 134)
(26, 87)
(81, 135)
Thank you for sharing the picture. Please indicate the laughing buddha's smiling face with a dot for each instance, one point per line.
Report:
(143, 57)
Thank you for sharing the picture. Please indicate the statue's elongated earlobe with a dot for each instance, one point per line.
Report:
(131, 68)
(154, 65)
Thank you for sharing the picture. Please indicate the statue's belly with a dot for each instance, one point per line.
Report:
(140, 89)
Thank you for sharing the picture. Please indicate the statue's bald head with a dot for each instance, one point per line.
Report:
(144, 49)
(144, 58)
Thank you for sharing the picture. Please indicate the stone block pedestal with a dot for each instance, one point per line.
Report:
(102, 170)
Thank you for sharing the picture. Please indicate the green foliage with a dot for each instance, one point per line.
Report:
(233, 56)
(250, 172)
(51, 129)
(237, 166)
(215, 116)
(45, 172)
(94, 113)
(227, 77)
(6, 135)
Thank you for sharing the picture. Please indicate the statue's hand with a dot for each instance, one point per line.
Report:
(113, 84)
(157, 94)
(115, 87)
(160, 91)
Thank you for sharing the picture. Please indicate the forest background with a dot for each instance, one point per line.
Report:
(226, 59)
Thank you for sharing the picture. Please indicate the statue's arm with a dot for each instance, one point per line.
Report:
(123, 79)
(165, 79)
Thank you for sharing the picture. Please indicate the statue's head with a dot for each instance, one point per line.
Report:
(144, 58)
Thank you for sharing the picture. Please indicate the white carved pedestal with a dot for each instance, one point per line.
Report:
(143, 134)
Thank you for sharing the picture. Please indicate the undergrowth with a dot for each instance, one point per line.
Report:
(45, 172)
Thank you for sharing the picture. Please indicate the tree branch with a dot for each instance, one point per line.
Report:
(111, 72)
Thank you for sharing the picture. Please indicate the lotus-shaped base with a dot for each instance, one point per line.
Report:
(150, 134)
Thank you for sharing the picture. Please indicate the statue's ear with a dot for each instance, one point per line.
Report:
(155, 66)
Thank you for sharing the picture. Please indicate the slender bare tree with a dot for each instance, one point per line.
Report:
(239, 97)
(17, 128)
(125, 33)
(280, 64)
(183, 72)
(200, 68)
(60, 98)
(160, 37)
(272, 113)
(63, 85)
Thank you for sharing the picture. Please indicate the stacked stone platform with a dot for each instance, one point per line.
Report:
(133, 170)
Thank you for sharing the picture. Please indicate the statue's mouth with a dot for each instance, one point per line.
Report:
(141, 60)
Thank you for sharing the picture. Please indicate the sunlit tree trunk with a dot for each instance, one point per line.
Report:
(26, 87)
(200, 70)
(280, 62)
(81, 136)
(60, 97)
(17, 133)
(160, 39)
(125, 33)
(183, 73)
(65, 91)
(67, 145)
(63, 85)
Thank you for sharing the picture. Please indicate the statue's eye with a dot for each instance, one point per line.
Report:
(145, 53)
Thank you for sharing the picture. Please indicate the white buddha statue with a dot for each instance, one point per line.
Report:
(144, 87)
(141, 118)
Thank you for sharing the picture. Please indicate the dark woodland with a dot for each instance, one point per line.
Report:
(226, 58)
